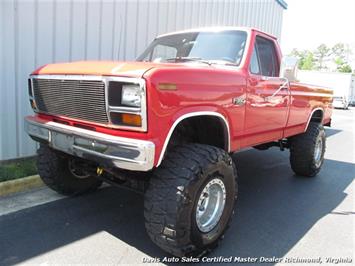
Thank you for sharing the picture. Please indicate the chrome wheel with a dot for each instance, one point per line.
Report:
(318, 149)
(210, 205)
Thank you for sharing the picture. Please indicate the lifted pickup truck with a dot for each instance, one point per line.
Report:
(168, 123)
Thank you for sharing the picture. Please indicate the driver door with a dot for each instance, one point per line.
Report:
(267, 96)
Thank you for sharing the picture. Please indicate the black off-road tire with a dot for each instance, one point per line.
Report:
(302, 150)
(171, 199)
(53, 168)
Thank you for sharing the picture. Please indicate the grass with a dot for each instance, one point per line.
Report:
(18, 169)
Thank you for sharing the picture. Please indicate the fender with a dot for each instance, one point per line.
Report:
(188, 115)
(310, 117)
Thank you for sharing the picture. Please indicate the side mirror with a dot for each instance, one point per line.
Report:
(289, 68)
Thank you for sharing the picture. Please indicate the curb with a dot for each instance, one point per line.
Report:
(19, 185)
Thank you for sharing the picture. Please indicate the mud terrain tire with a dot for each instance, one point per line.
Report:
(173, 199)
(307, 151)
(53, 168)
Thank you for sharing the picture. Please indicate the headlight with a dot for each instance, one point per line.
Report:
(126, 99)
(131, 95)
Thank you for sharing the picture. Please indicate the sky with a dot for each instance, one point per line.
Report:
(307, 24)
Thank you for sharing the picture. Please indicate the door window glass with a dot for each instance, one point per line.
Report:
(267, 57)
(254, 63)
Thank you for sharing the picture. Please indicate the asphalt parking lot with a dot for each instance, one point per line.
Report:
(277, 214)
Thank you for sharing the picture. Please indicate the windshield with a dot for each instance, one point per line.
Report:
(210, 47)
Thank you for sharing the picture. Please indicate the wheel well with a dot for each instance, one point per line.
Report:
(204, 129)
(317, 116)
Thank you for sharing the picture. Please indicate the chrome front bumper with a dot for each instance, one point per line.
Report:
(124, 153)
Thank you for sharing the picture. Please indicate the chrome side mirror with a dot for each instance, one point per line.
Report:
(289, 68)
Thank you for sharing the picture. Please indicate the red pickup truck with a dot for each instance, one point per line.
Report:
(167, 124)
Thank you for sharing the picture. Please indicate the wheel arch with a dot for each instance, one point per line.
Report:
(317, 115)
(206, 114)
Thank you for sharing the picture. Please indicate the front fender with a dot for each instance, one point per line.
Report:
(193, 112)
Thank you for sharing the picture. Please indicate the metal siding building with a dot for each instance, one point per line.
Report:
(37, 32)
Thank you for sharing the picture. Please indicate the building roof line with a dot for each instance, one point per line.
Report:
(217, 29)
(282, 3)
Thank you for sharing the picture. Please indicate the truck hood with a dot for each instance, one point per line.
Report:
(122, 69)
(99, 68)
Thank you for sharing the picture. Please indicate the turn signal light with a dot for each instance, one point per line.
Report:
(167, 87)
(33, 104)
(132, 120)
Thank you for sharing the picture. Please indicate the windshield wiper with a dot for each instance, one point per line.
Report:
(183, 59)
(223, 62)
(199, 59)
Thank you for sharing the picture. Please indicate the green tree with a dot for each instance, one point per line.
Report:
(305, 59)
(345, 68)
(321, 55)
(341, 54)
(341, 50)
(342, 66)
(308, 62)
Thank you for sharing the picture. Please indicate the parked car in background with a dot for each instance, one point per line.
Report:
(352, 99)
(341, 102)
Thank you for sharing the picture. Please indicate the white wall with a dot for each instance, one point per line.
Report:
(340, 83)
(33, 33)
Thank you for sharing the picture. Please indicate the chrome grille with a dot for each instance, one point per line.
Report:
(79, 99)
